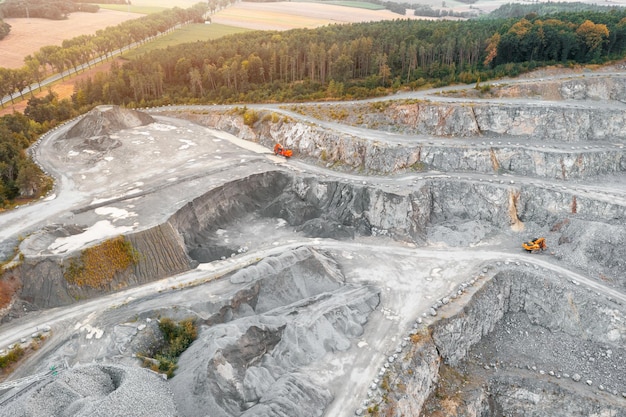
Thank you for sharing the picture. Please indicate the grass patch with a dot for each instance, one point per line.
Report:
(357, 4)
(178, 337)
(96, 267)
(188, 33)
(166, 4)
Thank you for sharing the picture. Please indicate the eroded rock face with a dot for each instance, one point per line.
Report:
(96, 390)
(44, 284)
(526, 344)
(436, 210)
(251, 363)
(505, 131)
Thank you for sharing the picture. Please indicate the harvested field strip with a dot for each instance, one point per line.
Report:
(188, 33)
(133, 8)
(357, 4)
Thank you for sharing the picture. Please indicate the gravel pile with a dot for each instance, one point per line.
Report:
(96, 391)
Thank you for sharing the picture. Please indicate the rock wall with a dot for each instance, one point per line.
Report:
(197, 221)
(605, 88)
(549, 305)
(558, 123)
(324, 208)
(428, 209)
(498, 153)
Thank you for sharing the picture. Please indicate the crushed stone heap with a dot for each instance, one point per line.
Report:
(95, 390)
(104, 120)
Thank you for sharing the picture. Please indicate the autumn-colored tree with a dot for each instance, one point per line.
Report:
(492, 49)
(592, 35)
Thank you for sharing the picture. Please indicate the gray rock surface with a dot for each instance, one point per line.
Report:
(519, 336)
(95, 391)
(250, 365)
(284, 334)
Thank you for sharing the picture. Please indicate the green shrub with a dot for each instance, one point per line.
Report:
(250, 117)
(10, 358)
(178, 337)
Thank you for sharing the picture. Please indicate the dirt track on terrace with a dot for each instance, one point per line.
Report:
(29, 35)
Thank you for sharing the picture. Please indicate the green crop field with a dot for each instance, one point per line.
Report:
(357, 4)
(149, 6)
(133, 8)
(188, 33)
(167, 4)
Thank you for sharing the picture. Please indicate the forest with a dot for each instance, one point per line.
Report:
(358, 60)
(332, 62)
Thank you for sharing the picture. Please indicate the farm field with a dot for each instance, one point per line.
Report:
(133, 8)
(188, 33)
(29, 35)
(291, 15)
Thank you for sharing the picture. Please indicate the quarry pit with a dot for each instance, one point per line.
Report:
(379, 271)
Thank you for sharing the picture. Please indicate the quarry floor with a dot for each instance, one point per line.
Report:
(165, 165)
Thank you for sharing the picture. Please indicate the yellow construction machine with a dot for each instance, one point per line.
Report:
(535, 245)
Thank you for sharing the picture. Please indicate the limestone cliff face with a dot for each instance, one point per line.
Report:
(432, 209)
(577, 88)
(545, 303)
(506, 130)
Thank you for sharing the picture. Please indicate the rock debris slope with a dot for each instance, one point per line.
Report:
(378, 272)
(96, 390)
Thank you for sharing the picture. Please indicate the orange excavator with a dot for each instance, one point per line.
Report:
(281, 150)
(535, 245)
